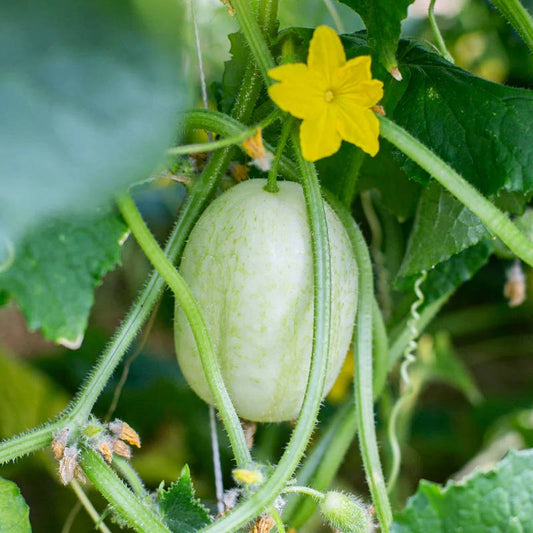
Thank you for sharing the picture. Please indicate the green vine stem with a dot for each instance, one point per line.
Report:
(139, 517)
(88, 506)
(518, 17)
(441, 45)
(322, 464)
(239, 138)
(496, 221)
(364, 397)
(254, 37)
(272, 185)
(324, 460)
(303, 430)
(199, 329)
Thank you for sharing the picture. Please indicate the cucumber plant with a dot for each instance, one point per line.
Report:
(348, 184)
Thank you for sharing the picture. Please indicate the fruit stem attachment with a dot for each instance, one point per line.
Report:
(494, 219)
(190, 307)
(272, 185)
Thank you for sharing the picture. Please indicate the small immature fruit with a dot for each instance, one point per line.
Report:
(345, 512)
(249, 264)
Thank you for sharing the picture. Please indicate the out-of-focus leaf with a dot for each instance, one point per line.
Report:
(382, 19)
(14, 511)
(27, 397)
(182, 511)
(90, 99)
(498, 500)
(442, 228)
(56, 269)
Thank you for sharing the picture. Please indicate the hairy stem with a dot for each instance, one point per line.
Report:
(496, 221)
(88, 506)
(139, 517)
(255, 38)
(518, 17)
(364, 397)
(186, 300)
(266, 494)
(228, 141)
(272, 185)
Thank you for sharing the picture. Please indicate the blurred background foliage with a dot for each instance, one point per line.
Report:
(474, 378)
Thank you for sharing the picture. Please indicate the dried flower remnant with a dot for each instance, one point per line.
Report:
(254, 147)
(263, 524)
(125, 432)
(515, 286)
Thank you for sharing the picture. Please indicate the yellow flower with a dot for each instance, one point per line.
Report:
(333, 97)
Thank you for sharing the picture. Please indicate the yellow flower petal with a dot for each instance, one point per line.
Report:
(354, 80)
(358, 126)
(319, 136)
(299, 91)
(326, 53)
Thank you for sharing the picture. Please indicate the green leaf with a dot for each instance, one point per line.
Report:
(90, 98)
(482, 129)
(56, 269)
(14, 511)
(182, 512)
(382, 19)
(27, 397)
(498, 500)
(442, 228)
(398, 194)
(449, 274)
(233, 71)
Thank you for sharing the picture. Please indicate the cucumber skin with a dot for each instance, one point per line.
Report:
(249, 264)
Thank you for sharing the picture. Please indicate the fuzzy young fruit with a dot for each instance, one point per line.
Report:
(249, 264)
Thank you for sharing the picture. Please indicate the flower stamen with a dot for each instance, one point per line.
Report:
(329, 96)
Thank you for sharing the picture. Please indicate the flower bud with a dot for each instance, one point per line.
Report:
(345, 512)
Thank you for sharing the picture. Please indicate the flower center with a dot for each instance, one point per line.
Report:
(329, 96)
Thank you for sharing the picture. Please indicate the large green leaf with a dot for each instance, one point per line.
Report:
(14, 511)
(90, 99)
(182, 512)
(499, 500)
(442, 228)
(56, 269)
(382, 19)
(482, 129)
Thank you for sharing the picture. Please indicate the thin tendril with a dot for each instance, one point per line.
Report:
(441, 45)
(409, 358)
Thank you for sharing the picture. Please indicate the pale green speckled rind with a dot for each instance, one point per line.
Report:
(248, 262)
